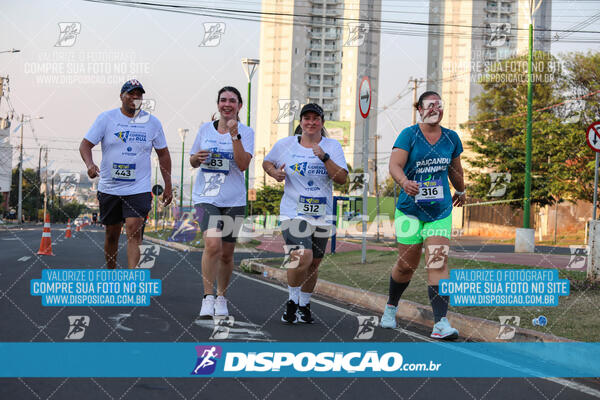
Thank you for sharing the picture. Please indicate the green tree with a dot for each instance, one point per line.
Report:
(499, 144)
(387, 189)
(31, 192)
(344, 187)
(65, 211)
(267, 200)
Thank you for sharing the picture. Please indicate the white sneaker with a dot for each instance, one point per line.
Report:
(221, 306)
(443, 330)
(208, 307)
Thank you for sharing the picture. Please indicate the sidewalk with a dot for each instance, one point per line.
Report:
(464, 248)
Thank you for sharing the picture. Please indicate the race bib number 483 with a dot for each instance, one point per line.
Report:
(218, 162)
(123, 172)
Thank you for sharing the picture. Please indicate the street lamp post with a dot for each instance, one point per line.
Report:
(182, 133)
(250, 65)
(524, 239)
(20, 204)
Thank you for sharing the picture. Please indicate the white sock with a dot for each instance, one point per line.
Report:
(304, 298)
(294, 293)
(209, 295)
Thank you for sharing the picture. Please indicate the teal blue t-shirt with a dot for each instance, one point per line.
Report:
(428, 163)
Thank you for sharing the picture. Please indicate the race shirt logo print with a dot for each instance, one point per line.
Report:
(299, 168)
(123, 135)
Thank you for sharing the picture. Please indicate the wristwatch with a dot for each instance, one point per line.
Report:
(325, 157)
(237, 137)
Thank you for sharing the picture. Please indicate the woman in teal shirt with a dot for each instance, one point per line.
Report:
(425, 156)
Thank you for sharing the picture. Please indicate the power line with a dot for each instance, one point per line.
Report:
(237, 14)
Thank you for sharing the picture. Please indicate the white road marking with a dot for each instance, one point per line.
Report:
(24, 258)
(560, 381)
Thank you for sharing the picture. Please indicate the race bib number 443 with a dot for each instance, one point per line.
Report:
(430, 191)
(123, 172)
(313, 206)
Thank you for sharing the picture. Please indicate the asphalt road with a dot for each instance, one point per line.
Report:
(256, 306)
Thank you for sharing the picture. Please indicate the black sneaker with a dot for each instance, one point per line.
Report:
(289, 315)
(304, 314)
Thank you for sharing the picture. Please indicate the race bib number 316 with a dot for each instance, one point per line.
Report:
(430, 191)
(123, 172)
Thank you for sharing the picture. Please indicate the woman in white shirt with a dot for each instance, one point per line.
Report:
(222, 150)
(309, 164)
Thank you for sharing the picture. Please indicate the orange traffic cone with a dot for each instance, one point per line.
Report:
(78, 228)
(68, 234)
(46, 243)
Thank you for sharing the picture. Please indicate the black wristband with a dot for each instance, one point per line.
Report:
(325, 157)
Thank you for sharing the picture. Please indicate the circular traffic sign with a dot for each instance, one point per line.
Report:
(157, 190)
(593, 136)
(364, 96)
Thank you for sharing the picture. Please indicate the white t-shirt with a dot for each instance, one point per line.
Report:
(126, 147)
(219, 180)
(308, 190)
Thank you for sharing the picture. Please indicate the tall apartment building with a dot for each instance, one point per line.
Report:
(475, 32)
(316, 51)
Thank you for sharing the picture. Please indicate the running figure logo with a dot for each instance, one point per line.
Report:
(77, 326)
(498, 32)
(147, 105)
(212, 184)
(508, 326)
(498, 183)
(291, 261)
(357, 183)
(287, 111)
(207, 359)
(357, 32)
(579, 255)
(149, 253)
(68, 33)
(222, 325)
(436, 255)
(366, 327)
(212, 34)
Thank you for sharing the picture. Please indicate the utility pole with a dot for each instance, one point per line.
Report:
(46, 184)
(377, 137)
(20, 204)
(415, 82)
(264, 151)
(39, 175)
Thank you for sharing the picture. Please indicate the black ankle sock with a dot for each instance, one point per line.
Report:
(439, 303)
(395, 292)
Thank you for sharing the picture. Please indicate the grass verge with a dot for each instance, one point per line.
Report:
(576, 317)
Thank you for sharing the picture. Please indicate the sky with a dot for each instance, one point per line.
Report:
(69, 85)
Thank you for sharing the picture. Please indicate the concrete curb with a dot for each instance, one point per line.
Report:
(471, 328)
(185, 247)
(173, 245)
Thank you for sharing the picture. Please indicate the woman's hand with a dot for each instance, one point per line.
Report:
(410, 187)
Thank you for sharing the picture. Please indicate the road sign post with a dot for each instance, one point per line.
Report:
(593, 140)
(593, 265)
(364, 105)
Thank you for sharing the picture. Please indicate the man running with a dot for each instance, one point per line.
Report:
(128, 135)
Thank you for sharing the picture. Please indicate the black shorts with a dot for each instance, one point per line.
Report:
(114, 209)
(298, 232)
(227, 220)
